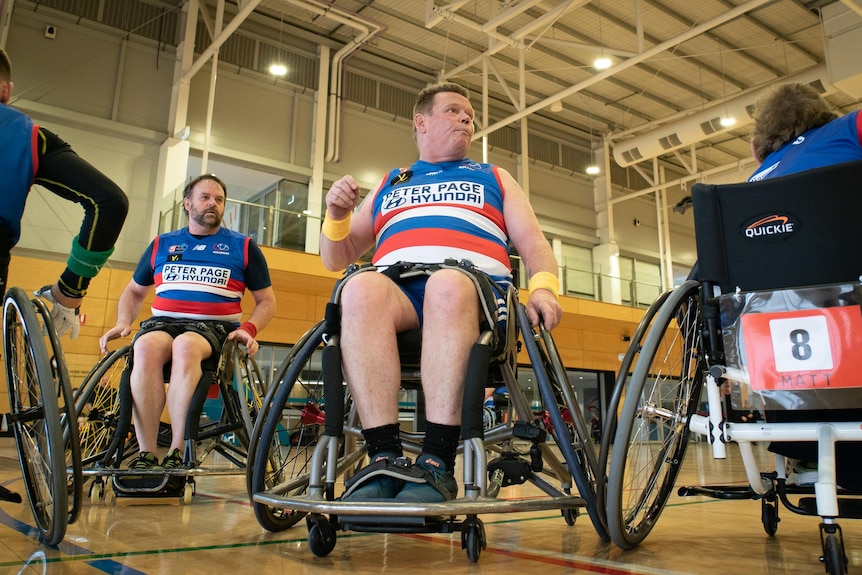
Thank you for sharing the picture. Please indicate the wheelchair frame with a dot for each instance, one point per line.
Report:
(678, 348)
(40, 397)
(304, 487)
(103, 405)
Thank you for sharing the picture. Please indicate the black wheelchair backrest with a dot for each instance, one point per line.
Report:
(796, 230)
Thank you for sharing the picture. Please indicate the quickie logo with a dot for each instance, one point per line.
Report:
(770, 228)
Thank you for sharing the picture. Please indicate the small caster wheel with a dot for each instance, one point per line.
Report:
(110, 496)
(833, 555)
(769, 517)
(97, 490)
(473, 538)
(188, 493)
(321, 536)
(571, 515)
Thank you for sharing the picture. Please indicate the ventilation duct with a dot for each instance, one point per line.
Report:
(704, 124)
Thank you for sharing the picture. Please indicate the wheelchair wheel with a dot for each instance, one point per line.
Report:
(97, 406)
(35, 416)
(652, 431)
(251, 389)
(284, 438)
(629, 359)
(74, 476)
(566, 422)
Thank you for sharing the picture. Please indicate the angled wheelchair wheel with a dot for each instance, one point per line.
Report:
(566, 422)
(652, 431)
(97, 407)
(284, 437)
(631, 356)
(35, 416)
(66, 406)
(251, 390)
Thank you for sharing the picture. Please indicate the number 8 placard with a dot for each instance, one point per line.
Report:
(801, 343)
(803, 349)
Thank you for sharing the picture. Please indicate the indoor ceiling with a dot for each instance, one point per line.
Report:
(673, 62)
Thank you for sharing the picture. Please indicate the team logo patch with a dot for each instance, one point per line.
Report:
(401, 178)
(222, 249)
(771, 227)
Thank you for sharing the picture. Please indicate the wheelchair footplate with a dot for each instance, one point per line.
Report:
(150, 483)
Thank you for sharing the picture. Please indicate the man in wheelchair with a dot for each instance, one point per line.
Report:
(443, 207)
(200, 273)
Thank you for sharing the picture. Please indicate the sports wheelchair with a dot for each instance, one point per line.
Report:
(41, 409)
(309, 436)
(772, 319)
(231, 382)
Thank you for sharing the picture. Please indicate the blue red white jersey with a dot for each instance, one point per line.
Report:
(428, 213)
(197, 277)
(19, 161)
(836, 142)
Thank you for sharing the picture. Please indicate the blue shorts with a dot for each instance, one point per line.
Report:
(414, 289)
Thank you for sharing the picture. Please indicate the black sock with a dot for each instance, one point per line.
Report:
(442, 441)
(384, 438)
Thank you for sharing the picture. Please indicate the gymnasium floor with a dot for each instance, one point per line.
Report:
(217, 533)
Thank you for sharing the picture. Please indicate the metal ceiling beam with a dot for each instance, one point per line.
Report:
(691, 33)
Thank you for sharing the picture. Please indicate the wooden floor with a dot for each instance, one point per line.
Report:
(218, 533)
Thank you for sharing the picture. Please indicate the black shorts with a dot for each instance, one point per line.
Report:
(214, 331)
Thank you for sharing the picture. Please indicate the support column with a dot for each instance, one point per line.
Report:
(174, 152)
(316, 205)
(606, 262)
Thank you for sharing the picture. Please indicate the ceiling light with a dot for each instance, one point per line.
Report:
(557, 107)
(592, 170)
(727, 121)
(278, 69)
(602, 63)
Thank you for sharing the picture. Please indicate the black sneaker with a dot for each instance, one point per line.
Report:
(144, 461)
(441, 485)
(379, 488)
(173, 460)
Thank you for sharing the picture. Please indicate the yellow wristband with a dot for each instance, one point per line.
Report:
(336, 230)
(545, 280)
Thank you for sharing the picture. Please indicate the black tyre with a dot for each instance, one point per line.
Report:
(35, 416)
(566, 420)
(630, 358)
(652, 431)
(66, 405)
(284, 437)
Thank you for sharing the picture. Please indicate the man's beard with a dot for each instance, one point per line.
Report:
(200, 219)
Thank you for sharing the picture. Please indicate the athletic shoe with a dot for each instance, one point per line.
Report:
(379, 488)
(801, 472)
(144, 461)
(441, 485)
(173, 460)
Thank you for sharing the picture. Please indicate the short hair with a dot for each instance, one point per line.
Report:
(425, 99)
(784, 114)
(5, 66)
(187, 191)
